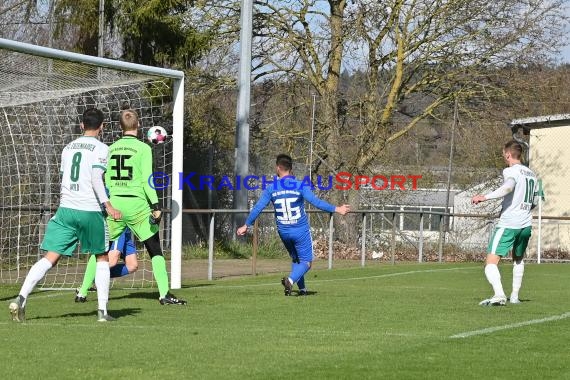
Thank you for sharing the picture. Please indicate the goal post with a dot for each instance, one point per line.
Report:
(42, 94)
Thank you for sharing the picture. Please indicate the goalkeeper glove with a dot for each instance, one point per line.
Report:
(155, 215)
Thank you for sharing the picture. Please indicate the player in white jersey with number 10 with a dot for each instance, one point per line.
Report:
(79, 217)
(514, 227)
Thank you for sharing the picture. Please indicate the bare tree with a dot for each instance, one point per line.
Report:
(416, 56)
(22, 20)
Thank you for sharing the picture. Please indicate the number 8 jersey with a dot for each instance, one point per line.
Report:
(516, 207)
(288, 196)
(78, 159)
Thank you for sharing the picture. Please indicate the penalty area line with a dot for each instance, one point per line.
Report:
(511, 326)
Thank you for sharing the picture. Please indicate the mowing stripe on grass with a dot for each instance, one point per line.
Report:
(511, 326)
(215, 286)
(67, 325)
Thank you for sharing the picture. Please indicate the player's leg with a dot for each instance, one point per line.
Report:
(114, 255)
(304, 248)
(154, 249)
(289, 244)
(60, 239)
(302, 287)
(499, 246)
(126, 249)
(91, 268)
(299, 247)
(94, 237)
(519, 248)
(36, 273)
(88, 279)
(103, 282)
(138, 222)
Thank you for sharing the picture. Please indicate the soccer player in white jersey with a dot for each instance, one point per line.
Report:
(514, 227)
(79, 217)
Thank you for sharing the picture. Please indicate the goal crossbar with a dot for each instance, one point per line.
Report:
(46, 52)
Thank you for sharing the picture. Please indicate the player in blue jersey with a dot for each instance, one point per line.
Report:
(124, 248)
(288, 196)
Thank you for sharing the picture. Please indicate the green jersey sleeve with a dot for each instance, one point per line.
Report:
(147, 172)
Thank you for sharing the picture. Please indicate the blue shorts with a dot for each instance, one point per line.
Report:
(299, 244)
(124, 244)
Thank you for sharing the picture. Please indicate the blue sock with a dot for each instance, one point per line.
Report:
(298, 271)
(301, 283)
(119, 270)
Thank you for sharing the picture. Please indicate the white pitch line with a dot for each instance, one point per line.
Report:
(340, 279)
(511, 326)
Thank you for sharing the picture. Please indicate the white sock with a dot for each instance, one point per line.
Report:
(494, 277)
(518, 272)
(102, 281)
(36, 273)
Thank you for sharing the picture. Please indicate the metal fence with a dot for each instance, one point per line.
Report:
(392, 236)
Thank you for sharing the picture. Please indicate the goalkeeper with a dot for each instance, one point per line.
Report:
(129, 170)
(123, 248)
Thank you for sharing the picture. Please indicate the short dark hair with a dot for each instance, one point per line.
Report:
(285, 162)
(92, 118)
(515, 148)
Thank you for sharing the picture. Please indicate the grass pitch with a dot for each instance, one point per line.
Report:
(408, 321)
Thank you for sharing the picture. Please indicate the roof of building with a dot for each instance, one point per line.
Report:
(547, 121)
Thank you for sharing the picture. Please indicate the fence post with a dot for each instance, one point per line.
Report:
(255, 248)
(539, 240)
(211, 248)
(363, 242)
(393, 243)
(331, 227)
(440, 245)
(421, 245)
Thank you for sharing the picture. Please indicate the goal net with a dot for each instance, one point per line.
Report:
(43, 92)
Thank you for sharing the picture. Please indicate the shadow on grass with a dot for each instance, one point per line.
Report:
(138, 295)
(197, 286)
(118, 313)
(309, 293)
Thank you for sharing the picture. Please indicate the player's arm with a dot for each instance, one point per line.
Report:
(256, 210)
(99, 188)
(539, 193)
(322, 204)
(507, 187)
(147, 172)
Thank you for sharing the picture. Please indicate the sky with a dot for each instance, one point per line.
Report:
(566, 54)
(43, 8)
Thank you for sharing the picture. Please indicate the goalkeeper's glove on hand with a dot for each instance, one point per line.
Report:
(155, 215)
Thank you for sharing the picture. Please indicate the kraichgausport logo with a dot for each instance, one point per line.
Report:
(340, 181)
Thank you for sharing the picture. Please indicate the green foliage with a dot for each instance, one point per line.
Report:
(83, 15)
(271, 249)
(155, 32)
(152, 32)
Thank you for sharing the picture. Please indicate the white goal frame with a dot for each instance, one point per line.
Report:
(177, 133)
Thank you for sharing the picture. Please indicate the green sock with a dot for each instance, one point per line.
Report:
(89, 275)
(160, 274)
